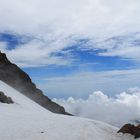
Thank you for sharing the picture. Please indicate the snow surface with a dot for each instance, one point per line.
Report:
(26, 120)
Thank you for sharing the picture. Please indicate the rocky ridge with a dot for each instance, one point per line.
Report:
(15, 77)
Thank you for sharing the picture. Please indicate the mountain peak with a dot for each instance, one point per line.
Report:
(3, 58)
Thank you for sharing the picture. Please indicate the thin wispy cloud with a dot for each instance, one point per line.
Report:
(54, 26)
(81, 84)
(36, 53)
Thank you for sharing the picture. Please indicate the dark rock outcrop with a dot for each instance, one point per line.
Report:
(130, 129)
(18, 79)
(5, 99)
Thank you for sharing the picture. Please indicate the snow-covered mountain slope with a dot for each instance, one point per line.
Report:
(26, 120)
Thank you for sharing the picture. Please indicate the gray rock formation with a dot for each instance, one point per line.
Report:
(18, 79)
(5, 99)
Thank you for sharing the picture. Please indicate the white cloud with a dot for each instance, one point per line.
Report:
(124, 46)
(54, 23)
(124, 108)
(86, 17)
(36, 53)
(131, 52)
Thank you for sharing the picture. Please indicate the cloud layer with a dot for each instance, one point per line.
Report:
(55, 26)
(124, 108)
(85, 17)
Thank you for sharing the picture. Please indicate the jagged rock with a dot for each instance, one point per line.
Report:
(5, 99)
(130, 129)
(127, 128)
(18, 79)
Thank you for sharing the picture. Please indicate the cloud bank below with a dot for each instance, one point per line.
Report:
(124, 108)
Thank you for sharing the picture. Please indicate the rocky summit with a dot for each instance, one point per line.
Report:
(131, 129)
(15, 77)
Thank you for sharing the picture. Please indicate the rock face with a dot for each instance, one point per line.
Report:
(130, 129)
(5, 99)
(18, 79)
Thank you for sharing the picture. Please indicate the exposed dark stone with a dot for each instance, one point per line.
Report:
(131, 129)
(18, 79)
(5, 99)
(137, 135)
(127, 128)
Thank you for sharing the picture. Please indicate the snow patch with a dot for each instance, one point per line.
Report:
(26, 120)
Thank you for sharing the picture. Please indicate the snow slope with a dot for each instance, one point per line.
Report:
(26, 120)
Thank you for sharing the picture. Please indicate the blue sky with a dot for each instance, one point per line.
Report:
(74, 48)
(86, 62)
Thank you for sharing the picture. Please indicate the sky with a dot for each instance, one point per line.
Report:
(74, 48)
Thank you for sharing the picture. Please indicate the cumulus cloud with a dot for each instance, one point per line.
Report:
(124, 108)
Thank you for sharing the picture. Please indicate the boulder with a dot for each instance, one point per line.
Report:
(5, 99)
(131, 129)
